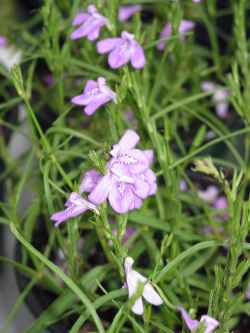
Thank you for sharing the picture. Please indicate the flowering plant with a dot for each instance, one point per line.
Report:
(136, 126)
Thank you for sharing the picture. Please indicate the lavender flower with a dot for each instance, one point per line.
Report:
(183, 186)
(125, 12)
(3, 41)
(122, 51)
(197, 1)
(75, 206)
(210, 194)
(133, 280)
(210, 324)
(89, 181)
(129, 179)
(88, 24)
(95, 94)
(184, 27)
(219, 97)
(221, 203)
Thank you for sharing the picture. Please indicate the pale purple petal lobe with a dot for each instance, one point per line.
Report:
(107, 45)
(89, 181)
(151, 296)
(191, 323)
(80, 18)
(138, 58)
(210, 323)
(101, 190)
(125, 12)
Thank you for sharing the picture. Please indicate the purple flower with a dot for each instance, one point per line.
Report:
(220, 97)
(95, 94)
(221, 203)
(75, 206)
(122, 51)
(3, 41)
(197, 1)
(133, 280)
(125, 12)
(89, 181)
(129, 179)
(183, 185)
(210, 194)
(184, 27)
(88, 24)
(210, 324)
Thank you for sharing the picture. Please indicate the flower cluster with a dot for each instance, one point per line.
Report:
(219, 97)
(129, 179)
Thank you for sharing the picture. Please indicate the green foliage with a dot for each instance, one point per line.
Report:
(194, 254)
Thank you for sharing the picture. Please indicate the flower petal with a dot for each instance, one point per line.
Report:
(132, 283)
(135, 159)
(210, 323)
(125, 12)
(165, 34)
(149, 155)
(210, 194)
(68, 213)
(185, 26)
(150, 295)
(89, 181)
(80, 100)
(108, 44)
(222, 109)
(208, 86)
(138, 58)
(120, 200)
(137, 203)
(86, 28)
(141, 188)
(94, 34)
(118, 58)
(191, 323)
(101, 191)
(90, 85)
(80, 18)
(97, 102)
(137, 308)
(128, 141)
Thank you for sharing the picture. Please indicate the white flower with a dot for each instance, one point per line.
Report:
(9, 56)
(133, 279)
(219, 96)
